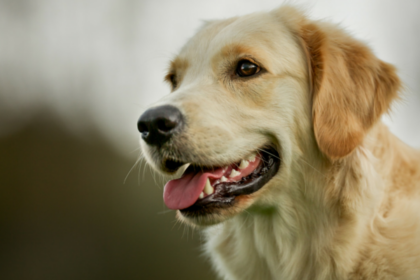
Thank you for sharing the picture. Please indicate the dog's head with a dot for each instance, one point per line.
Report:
(251, 95)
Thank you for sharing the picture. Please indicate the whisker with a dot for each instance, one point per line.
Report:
(262, 150)
(131, 169)
(299, 158)
(237, 166)
(164, 212)
(192, 233)
(144, 169)
(261, 158)
(135, 150)
(312, 167)
(177, 222)
(139, 171)
(183, 232)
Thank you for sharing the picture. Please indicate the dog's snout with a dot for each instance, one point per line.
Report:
(157, 125)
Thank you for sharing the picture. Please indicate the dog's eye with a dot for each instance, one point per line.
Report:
(246, 68)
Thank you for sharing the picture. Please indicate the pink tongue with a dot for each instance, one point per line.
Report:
(184, 192)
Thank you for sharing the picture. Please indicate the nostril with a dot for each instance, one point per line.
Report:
(142, 127)
(144, 130)
(166, 125)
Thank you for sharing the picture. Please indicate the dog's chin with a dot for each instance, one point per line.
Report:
(207, 195)
(216, 215)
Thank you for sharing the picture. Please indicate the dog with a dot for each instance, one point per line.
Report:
(274, 122)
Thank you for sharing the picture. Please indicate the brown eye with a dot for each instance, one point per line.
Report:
(246, 68)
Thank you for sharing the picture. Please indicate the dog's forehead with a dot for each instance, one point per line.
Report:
(262, 36)
(259, 31)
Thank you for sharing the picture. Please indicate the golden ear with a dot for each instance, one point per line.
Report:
(351, 88)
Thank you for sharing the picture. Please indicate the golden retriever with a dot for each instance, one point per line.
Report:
(275, 122)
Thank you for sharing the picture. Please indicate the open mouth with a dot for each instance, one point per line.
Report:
(202, 189)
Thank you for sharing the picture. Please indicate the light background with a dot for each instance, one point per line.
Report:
(102, 62)
(75, 76)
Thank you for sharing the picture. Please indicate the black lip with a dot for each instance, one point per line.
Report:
(171, 165)
(225, 193)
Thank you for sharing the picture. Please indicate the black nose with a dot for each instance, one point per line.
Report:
(157, 125)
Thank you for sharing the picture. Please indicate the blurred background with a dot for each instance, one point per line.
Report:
(75, 76)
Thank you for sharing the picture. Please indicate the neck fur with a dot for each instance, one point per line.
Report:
(314, 231)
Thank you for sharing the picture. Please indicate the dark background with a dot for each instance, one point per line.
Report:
(65, 212)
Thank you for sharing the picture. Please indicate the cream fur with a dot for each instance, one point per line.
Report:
(339, 207)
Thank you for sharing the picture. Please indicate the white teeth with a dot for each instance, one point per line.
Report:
(223, 179)
(208, 189)
(234, 173)
(252, 156)
(244, 164)
(201, 195)
(178, 174)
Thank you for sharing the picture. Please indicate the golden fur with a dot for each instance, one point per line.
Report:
(345, 203)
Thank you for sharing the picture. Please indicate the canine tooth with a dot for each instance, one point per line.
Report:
(244, 164)
(208, 189)
(181, 170)
(201, 195)
(252, 156)
(223, 179)
(234, 173)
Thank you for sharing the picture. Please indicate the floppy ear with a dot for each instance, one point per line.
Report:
(351, 87)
